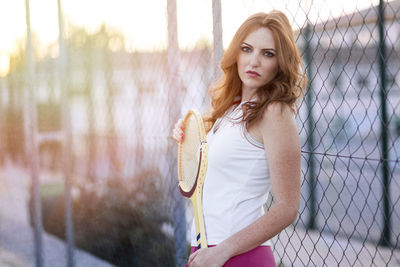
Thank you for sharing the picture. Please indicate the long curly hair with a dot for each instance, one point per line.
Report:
(287, 86)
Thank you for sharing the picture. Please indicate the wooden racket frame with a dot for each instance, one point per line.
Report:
(196, 192)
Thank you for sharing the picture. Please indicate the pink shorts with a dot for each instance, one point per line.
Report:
(260, 256)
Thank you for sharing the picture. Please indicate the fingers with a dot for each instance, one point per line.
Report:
(178, 131)
(191, 258)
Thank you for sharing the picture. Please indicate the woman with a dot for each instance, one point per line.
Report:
(254, 145)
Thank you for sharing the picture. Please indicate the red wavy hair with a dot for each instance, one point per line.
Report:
(287, 86)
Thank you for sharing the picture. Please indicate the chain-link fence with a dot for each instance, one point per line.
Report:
(105, 165)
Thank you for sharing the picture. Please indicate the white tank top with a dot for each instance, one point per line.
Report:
(237, 181)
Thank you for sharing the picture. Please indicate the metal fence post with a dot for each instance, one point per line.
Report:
(112, 140)
(32, 145)
(174, 94)
(2, 124)
(385, 239)
(310, 127)
(218, 49)
(67, 140)
(92, 139)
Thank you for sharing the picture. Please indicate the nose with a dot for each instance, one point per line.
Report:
(254, 60)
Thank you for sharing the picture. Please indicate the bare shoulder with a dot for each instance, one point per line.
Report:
(277, 112)
(279, 130)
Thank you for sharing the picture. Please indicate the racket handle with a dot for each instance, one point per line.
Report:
(199, 221)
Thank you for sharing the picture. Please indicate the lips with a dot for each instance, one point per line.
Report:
(253, 74)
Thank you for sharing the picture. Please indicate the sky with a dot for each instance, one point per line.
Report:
(143, 23)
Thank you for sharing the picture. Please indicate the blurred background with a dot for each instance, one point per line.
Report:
(89, 92)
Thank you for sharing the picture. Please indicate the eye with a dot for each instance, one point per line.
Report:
(245, 49)
(269, 54)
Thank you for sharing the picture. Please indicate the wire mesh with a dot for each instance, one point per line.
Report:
(123, 103)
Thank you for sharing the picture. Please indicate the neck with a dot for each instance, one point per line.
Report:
(248, 94)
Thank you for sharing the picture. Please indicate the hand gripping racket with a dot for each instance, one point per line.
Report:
(192, 166)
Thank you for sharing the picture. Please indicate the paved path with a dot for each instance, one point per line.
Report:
(16, 236)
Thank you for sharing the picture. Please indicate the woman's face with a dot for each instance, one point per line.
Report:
(257, 62)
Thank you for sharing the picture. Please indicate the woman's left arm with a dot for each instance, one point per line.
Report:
(282, 148)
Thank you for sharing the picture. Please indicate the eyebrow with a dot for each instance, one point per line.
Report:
(264, 49)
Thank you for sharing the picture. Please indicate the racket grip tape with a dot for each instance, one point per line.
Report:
(198, 241)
